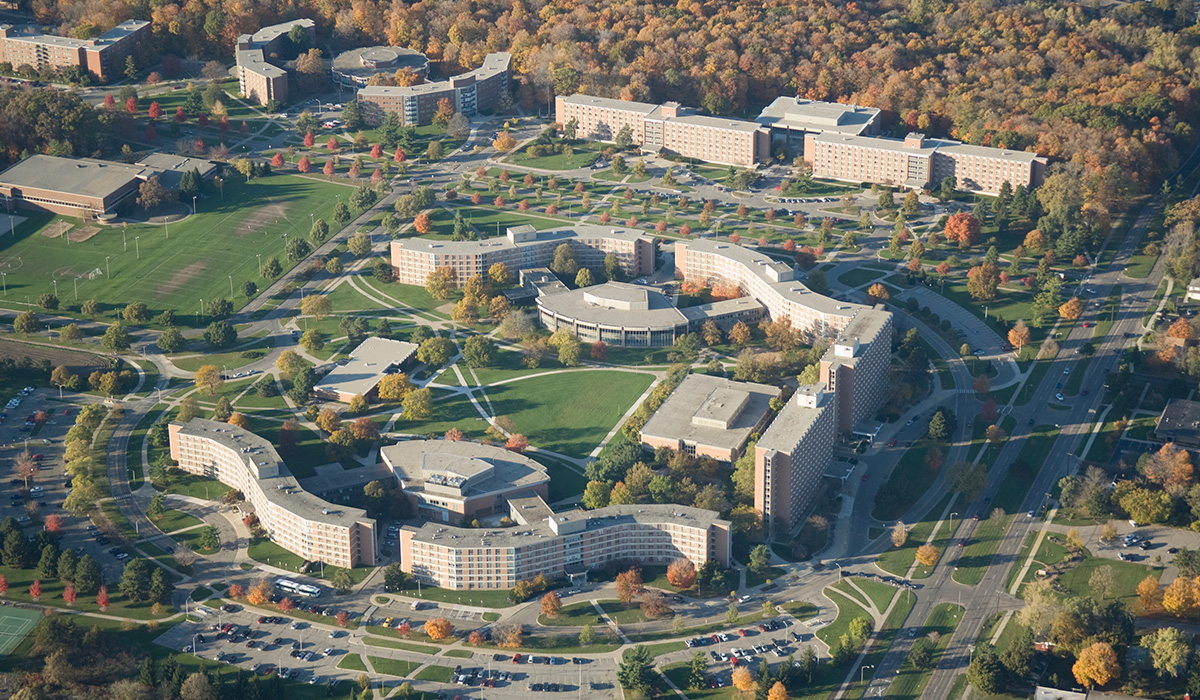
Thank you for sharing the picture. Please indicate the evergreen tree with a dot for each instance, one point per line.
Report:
(47, 566)
(88, 576)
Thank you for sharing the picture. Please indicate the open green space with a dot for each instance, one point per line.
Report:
(885, 637)
(847, 611)
(565, 481)
(1140, 265)
(859, 276)
(573, 615)
(898, 560)
(194, 486)
(397, 644)
(1023, 470)
(307, 453)
(881, 594)
(850, 592)
(1126, 577)
(204, 252)
(974, 559)
(910, 683)
(436, 674)
(173, 520)
(481, 598)
(352, 662)
(623, 614)
(584, 153)
(909, 481)
(228, 361)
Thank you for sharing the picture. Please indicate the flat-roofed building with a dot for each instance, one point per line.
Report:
(791, 457)
(667, 128)
(522, 248)
(295, 519)
(259, 79)
(561, 544)
(451, 481)
(705, 262)
(373, 359)
(1193, 290)
(354, 68)
(472, 92)
(917, 162)
(855, 367)
(791, 119)
(1179, 422)
(171, 167)
(72, 186)
(103, 56)
(630, 315)
(710, 416)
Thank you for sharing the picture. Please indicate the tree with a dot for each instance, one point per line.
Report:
(418, 405)
(985, 672)
(1072, 309)
(516, 443)
(551, 605)
(394, 387)
(160, 586)
(441, 282)
(504, 142)
(26, 323)
(927, 555)
(742, 679)
(1177, 599)
(740, 333)
(1102, 581)
(636, 670)
(435, 351)
(760, 559)
(1096, 665)
(899, 534)
(1149, 594)
(438, 628)
(311, 340)
(962, 228)
(1019, 335)
(220, 334)
(115, 338)
(342, 582)
(982, 281)
(316, 305)
(629, 585)
(135, 581)
(595, 495)
(565, 263)
(209, 379)
(877, 293)
(152, 194)
(157, 507)
(682, 574)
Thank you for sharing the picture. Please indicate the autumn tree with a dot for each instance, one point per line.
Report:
(1177, 599)
(681, 573)
(1149, 594)
(209, 379)
(1071, 309)
(551, 605)
(877, 293)
(743, 680)
(963, 228)
(982, 281)
(1019, 335)
(899, 534)
(1096, 665)
(438, 628)
(629, 585)
(927, 555)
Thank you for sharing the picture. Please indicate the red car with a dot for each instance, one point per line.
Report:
(516, 658)
(742, 632)
(892, 442)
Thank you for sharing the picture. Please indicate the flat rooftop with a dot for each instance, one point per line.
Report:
(814, 115)
(557, 235)
(534, 532)
(414, 461)
(172, 167)
(864, 328)
(698, 408)
(366, 366)
(929, 147)
(265, 35)
(610, 103)
(83, 177)
(1180, 419)
(367, 61)
(117, 33)
(278, 485)
(493, 63)
(795, 419)
(581, 304)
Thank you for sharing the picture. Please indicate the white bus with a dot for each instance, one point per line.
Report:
(298, 588)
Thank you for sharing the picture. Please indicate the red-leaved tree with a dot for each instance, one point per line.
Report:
(102, 598)
(69, 594)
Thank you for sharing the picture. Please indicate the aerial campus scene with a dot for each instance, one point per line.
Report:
(709, 351)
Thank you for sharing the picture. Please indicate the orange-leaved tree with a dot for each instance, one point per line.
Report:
(681, 573)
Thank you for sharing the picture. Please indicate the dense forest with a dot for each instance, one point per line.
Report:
(1097, 86)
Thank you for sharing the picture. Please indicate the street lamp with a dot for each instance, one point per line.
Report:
(136, 248)
(862, 670)
(193, 205)
(230, 286)
(952, 521)
(259, 256)
(108, 270)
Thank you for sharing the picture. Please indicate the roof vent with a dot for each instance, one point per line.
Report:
(324, 511)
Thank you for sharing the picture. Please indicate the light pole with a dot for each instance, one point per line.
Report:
(4, 279)
(259, 256)
(861, 671)
(55, 287)
(193, 205)
(108, 270)
(124, 242)
(952, 521)
(137, 249)
(230, 286)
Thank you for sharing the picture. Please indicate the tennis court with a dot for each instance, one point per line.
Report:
(15, 623)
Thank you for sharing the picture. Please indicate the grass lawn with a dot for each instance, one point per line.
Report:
(19, 581)
(1024, 468)
(850, 592)
(459, 653)
(267, 552)
(847, 611)
(194, 486)
(574, 615)
(436, 674)
(228, 360)
(880, 594)
(898, 560)
(859, 276)
(548, 411)
(492, 221)
(943, 619)
(885, 637)
(481, 598)
(173, 520)
(565, 482)
(907, 483)
(622, 614)
(1140, 265)
(449, 411)
(585, 153)
(507, 366)
(757, 579)
(396, 644)
(223, 240)
(976, 557)
(1127, 575)
(352, 662)
(303, 459)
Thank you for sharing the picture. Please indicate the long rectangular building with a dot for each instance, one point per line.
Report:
(561, 544)
(855, 367)
(522, 248)
(667, 128)
(472, 92)
(792, 455)
(917, 162)
(103, 56)
(259, 79)
(296, 520)
(72, 186)
(710, 417)
(707, 262)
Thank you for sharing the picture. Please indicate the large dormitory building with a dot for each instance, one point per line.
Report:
(839, 142)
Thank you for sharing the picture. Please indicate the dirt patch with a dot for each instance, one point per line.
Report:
(56, 229)
(262, 218)
(81, 235)
(181, 278)
(77, 361)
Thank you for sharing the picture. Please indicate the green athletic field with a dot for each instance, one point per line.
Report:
(15, 623)
(194, 263)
